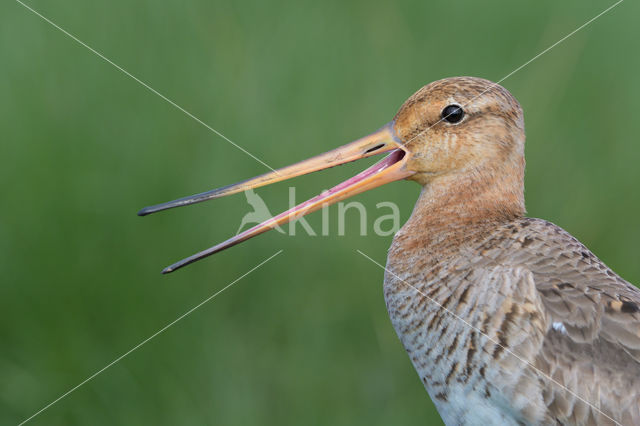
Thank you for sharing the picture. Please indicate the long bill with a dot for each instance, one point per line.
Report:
(390, 169)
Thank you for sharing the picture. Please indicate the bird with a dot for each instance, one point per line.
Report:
(507, 319)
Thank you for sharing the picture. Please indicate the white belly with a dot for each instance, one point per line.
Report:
(465, 406)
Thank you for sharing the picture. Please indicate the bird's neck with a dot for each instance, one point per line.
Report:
(456, 208)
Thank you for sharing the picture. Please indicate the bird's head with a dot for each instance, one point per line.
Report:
(461, 125)
(454, 127)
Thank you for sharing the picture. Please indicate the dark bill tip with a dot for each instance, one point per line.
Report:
(201, 255)
(145, 211)
(185, 201)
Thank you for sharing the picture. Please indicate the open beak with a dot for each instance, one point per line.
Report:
(390, 169)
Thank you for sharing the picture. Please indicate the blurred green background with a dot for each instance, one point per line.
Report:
(306, 338)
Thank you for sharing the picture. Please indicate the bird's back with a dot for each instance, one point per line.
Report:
(515, 322)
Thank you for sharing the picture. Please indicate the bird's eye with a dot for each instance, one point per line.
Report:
(452, 114)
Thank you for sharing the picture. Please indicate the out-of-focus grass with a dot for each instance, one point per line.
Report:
(306, 338)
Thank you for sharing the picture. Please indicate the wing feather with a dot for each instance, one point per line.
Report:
(592, 339)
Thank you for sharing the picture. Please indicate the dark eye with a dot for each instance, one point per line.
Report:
(452, 114)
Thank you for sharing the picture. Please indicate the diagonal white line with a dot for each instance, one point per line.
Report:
(520, 67)
(559, 41)
(148, 338)
(142, 83)
(495, 342)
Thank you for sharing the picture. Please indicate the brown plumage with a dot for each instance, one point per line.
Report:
(507, 320)
(469, 276)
